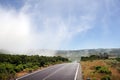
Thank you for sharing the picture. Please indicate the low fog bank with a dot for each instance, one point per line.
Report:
(40, 52)
(73, 55)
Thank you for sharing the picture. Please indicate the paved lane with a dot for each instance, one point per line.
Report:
(66, 71)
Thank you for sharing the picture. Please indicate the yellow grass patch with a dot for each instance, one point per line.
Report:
(88, 69)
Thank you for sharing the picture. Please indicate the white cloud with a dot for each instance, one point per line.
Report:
(59, 21)
(14, 29)
(46, 23)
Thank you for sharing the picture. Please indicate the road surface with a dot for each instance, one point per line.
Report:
(66, 71)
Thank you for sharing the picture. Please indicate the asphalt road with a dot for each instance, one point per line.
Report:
(66, 71)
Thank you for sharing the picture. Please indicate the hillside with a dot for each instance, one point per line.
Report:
(71, 54)
(76, 54)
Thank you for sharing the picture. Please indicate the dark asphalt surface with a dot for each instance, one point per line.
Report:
(66, 71)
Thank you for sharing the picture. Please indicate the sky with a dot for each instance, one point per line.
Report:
(59, 24)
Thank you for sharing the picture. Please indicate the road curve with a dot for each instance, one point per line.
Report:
(66, 71)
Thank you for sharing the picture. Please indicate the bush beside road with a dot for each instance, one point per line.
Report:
(12, 66)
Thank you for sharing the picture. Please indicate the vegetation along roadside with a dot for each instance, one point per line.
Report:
(12, 65)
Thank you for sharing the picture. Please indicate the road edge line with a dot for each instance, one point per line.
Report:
(75, 78)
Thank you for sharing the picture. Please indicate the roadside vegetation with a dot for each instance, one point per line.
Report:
(100, 68)
(10, 65)
(95, 57)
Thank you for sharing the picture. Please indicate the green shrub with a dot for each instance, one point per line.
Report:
(29, 65)
(6, 68)
(3, 68)
(19, 68)
(102, 69)
(118, 59)
(97, 67)
(107, 77)
(35, 67)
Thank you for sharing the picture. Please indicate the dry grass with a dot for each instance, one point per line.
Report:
(21, 73)
(88, 68)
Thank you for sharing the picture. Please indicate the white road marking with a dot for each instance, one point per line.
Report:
(75, 78)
